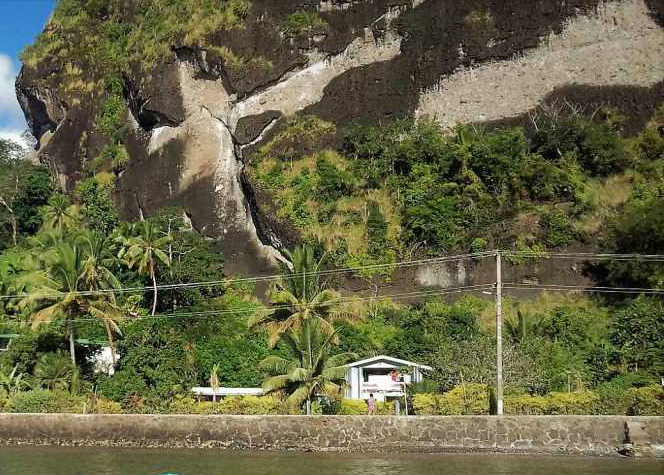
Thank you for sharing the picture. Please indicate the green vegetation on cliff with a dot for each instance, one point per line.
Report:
(403, 186)
(113, 34)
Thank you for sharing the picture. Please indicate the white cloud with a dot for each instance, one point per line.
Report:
(13, 135)
(11, 116)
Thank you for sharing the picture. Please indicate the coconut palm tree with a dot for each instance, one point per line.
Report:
(56, 293)
(97, 276)
(16, 268)
(299, 296)
(143, 251)
(59, 214)
(310, 371)
(110, 314)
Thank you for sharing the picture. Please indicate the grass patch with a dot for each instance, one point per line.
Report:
(303, 23)
(604, 197)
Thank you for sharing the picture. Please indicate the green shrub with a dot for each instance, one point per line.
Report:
(188, 405)
(231, 405)
(558, 229)
(603, 151)
(615, 396)
(249, 405)
(356, 407)
(333, 183)
(303, 23)
(579, 402)
(612, 400)
(467, 398)
(426, 404)
(376, 229)
(647, 401)
(479, 245)
(43, 401)
(104, 406)
(123, 384)
(526, 405)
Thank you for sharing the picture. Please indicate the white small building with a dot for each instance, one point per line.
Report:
(375, 376)
(206, 393)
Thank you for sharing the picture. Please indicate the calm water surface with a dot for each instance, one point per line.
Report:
(113, 461)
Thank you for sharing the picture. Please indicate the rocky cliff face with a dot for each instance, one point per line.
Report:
(193, 116)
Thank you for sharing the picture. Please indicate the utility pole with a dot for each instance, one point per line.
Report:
(499, 336)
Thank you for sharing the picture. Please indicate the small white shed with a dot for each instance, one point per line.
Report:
(375, 376)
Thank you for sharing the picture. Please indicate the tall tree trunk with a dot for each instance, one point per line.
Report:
(111, 343)
(72, 348)
(14, 229)
(154, 287)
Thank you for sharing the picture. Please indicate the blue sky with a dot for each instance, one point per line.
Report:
(20, 22)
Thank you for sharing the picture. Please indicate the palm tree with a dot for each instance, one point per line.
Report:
(58, 291)
(59, 214)
(310, 371)
(97, 276)
(298, 297)
(99, 258)
(110, 314)
(16, 268)
(53, 371)
(143, 251)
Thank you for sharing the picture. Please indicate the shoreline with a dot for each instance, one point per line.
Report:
(551, 435)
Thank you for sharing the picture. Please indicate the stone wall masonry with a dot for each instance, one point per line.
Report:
(580, 435)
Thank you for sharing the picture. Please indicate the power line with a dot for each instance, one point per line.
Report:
(341, 300)
(586, 256)
(400, 264)
(583, 288)
(216, 283)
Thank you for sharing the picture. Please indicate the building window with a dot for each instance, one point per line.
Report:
(4, 343)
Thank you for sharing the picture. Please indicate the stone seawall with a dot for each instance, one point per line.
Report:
(582, 435)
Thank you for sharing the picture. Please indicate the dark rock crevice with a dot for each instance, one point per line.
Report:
(41, 108)
(264, 231)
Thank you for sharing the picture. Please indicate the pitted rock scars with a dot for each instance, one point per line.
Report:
(620, 44)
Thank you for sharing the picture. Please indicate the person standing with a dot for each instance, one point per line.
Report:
(371, 405)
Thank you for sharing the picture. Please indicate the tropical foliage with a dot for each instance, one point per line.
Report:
(73, 276)
(310, 370)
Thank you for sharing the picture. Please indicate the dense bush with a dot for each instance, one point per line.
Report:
(647, 401)
(104, 406)
(44, 401)
(579, 402)
(356, 407)
(468, 398)
(526, 405)
(230, 405)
